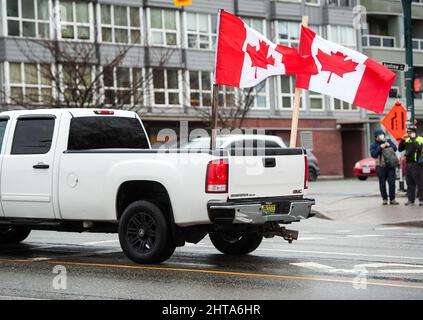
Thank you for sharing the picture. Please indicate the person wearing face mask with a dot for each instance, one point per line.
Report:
(384, 169)
(412, 144)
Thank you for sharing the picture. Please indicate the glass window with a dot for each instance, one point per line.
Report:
(30, 83)
(106, 133)
(123, 86)
(200, 88)
(33, 136)
(3, 124)
(163, 27)
(28, 18)
(256, 24)
(200, 34)
(120, 24)
(75, 19)
(166, 86)
(288, 32)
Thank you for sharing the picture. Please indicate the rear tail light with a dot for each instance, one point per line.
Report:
(306, 172)
(217, 176)
(104, 112)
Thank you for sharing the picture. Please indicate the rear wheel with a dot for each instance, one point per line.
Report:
(236, 245)
(362, 178)
(144, 233)
(13, 235)
(312, 175)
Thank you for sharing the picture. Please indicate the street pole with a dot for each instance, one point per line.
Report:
(409, 72)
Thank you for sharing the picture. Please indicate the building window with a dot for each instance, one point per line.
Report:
(201, 30)
(313, 2)
(342, 35)
(200, 84)
(29, 83)
(316, 101)
(338, 3)
(76, 20)
(227, 97)
(339, 105)
(306, 138)
(255, 23)
(123, 86)
(163, 27)
(166, 86)
(78, 81)
(288, 33)
(256, 97)
(28, 18)
(120, 24)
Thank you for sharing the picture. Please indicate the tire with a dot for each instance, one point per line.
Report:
(144, 233)
(312, 176)
(362, 178)
(233, 245)
(12, 235)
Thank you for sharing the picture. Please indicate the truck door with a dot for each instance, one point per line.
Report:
(3, 124)
(27, 173)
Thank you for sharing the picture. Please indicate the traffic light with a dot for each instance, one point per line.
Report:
(181, 3)
(418, 84)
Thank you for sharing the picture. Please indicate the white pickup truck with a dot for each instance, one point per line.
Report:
(86, 170)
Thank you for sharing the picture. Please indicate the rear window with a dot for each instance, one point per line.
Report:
(106, 133)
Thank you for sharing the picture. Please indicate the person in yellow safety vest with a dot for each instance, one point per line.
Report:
(412, 144)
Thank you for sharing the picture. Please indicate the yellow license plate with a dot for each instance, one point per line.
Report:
(268, 209)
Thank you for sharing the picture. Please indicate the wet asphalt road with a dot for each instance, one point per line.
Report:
(331, 260)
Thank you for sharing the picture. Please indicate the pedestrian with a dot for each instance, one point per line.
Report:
(385, 166)
(413, 145)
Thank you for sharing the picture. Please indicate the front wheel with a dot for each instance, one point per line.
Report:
(13, 235)
(144, 233)
(235, 245)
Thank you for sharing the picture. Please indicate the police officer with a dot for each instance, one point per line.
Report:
(413, 145)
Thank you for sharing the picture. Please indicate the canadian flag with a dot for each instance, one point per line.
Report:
(345, 74)
(245, 57)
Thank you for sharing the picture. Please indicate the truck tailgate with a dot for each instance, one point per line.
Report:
(266, 173)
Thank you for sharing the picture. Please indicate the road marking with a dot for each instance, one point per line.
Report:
(310, 238)
(363, 235)
(414, 234)
(217, 272)
(19, 298)
(313, 265)
(366, 268)
(329, 253)
(343, 231)
(99, 242)
(389, 228)
(41, 259)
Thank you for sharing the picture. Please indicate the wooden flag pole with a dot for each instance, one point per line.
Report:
(297, 101)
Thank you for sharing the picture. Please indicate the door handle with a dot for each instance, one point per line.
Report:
(269, 162)
(41, 166)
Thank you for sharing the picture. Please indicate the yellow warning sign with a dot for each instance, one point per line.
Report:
(181, 3)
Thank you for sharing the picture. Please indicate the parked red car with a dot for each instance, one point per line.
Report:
(367, 168)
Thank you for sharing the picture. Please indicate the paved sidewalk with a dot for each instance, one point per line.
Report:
(359, 202)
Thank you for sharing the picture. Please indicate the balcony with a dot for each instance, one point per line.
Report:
(371, 40)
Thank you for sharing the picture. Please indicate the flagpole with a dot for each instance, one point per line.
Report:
(297, 101)
(215, 105)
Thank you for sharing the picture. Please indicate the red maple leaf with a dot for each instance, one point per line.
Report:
(259, 58)
(336, 63)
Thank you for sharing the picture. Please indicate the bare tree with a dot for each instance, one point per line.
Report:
(82, 78)
(232, 115)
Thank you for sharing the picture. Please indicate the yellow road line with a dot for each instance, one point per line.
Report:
(213, 272)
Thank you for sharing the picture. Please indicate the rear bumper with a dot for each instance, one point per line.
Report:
(249, 212)
(358, 172)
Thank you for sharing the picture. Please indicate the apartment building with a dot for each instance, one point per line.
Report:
(181, 84)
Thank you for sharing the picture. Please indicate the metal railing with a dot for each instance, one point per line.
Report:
(371, 40)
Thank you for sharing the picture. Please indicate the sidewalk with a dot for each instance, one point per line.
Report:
(359, 202)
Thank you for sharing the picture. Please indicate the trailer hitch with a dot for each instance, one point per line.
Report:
(277, 230)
